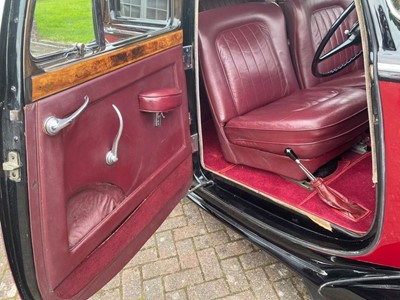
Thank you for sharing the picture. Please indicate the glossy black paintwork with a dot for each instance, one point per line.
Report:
(188, 10)
(14, 212)
(325, 275)
(388, 27)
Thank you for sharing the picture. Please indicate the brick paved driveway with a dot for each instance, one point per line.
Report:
(192, 256)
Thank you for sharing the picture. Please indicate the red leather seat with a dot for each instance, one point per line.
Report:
(256, 103)
(308, 22)
(211, 4)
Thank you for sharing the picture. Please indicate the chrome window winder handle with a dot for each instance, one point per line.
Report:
(112, 155)
(53, 125)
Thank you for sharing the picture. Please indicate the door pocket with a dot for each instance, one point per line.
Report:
(88, 207)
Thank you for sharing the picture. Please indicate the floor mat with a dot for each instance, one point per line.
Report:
(352, 178)
(355, 183)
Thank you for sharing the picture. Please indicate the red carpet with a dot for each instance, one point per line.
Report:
(352, 179)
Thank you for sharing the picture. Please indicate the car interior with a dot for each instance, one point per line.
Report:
(283, 115)
(266, 91)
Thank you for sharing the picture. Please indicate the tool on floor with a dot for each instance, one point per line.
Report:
(327, 194)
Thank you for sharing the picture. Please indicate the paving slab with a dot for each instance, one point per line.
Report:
(192, 256)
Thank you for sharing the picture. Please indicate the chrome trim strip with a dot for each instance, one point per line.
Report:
(393, 9)
(384, 67)
(389, 71)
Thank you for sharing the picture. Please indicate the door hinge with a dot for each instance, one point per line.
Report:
(13, 166)
(188, 57)
(194, 139)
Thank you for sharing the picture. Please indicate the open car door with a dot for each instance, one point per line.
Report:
(95, 133)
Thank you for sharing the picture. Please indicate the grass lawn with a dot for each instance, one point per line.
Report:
(67, 21)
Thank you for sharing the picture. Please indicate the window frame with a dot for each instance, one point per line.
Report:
(143, 7)
(102, 15)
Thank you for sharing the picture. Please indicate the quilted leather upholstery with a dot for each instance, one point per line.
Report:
(308, 22)
(257, 105)
(88, 207)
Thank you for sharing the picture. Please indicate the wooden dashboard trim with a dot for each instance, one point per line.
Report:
(63, 78)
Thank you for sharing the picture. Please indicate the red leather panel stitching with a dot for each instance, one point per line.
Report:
(251, 66)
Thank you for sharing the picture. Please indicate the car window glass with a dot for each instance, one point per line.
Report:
(59, 25)
(125, 19)
(145, 9)
(66, 30)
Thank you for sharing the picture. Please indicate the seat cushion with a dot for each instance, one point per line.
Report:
(308, 22)
(323, 119)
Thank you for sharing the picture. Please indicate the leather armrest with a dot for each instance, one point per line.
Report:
(160, 101)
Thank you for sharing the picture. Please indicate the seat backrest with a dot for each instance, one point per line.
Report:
(211, 4)
(244, 58)
(308, 21)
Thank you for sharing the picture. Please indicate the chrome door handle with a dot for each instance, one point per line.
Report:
(112, 155)
(53, 125)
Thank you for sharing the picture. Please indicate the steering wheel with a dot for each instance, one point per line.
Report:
(353, 38)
